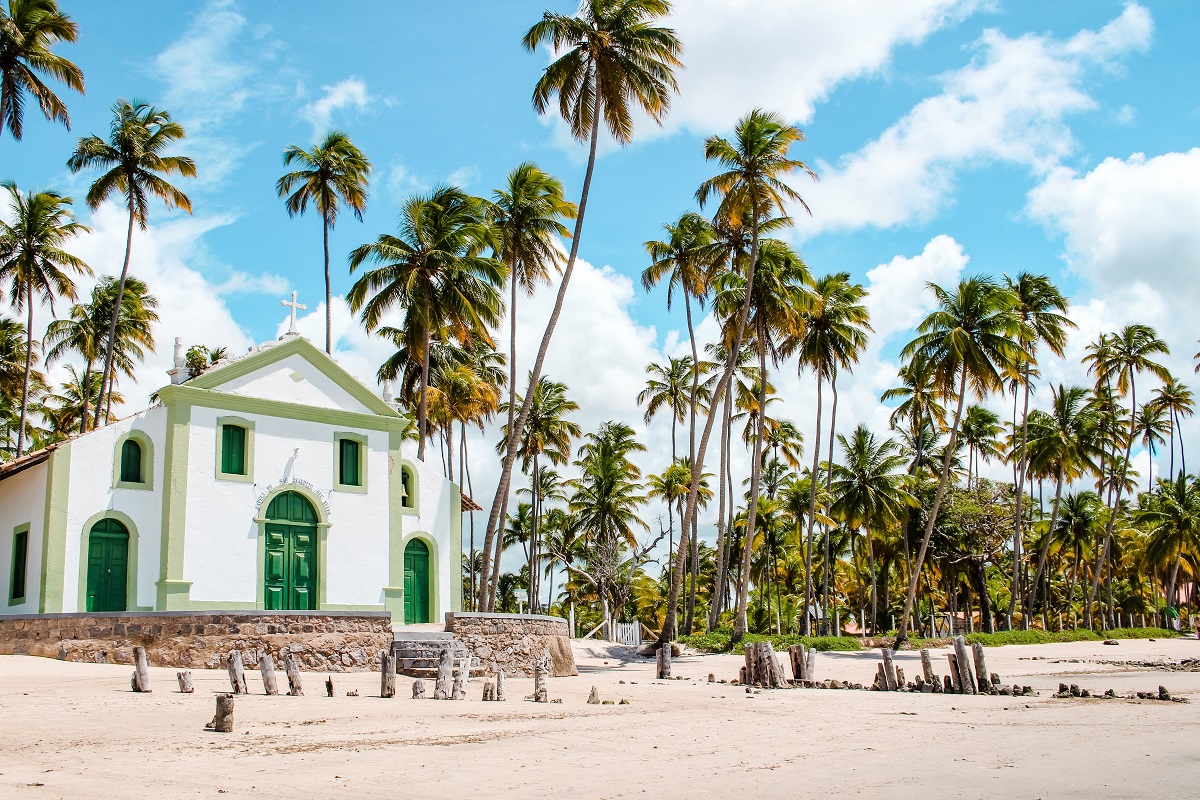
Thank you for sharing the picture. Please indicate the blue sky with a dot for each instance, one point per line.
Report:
(951, 137)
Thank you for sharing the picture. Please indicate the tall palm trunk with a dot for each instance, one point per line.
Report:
(533, 533)
(828, 484)
(1060, 478)
(943, 479)
(112, 323)
(510, 451)
(724, 532)
(805, 627)
(1116, 503)
(423, 404)
(691, 608)
(87, 393)
(741, 623)
(1022, 467)
(874, 584)
(328, 287)
(28, 367)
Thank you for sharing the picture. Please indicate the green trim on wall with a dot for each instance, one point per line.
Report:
(413, 510)
(12, 565)
(363, 450)
(295, 345)
(131, 578)
(147, 448)
(455, 547)
(170, 592)
(435, 558)
(54, 531)
(178, 396)
(393, 593)
(323, 526)
(241, 422)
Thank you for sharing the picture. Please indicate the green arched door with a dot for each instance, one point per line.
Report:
(416, 582)
(108, 566)
(290, 554)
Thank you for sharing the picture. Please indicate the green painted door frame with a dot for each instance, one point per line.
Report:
(290, 555)
(416, 582)
(108, 566)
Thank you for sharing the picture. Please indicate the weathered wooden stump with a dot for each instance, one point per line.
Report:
(541, 678)
(663, 662)
(981, 673)
(594, 697)
(965, 679)
(948, 685)
(266, 668)
(237, 672)
(185, 681)
(900, 684)
(762, 667)
(387, 674)
(810, 663)
(501, 686)
(329, 686)
(141, 671)
(489, 691)
(292, 665)
(459, 689)
(418, 689)
(222, 721)
(799, 663)
(445, 675)
(927, 667)
(952, 678)
(889, 670)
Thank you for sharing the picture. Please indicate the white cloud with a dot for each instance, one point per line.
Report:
(464, 176)
(244, 283)
(899, 297)
(1010, 105)
(350, 93)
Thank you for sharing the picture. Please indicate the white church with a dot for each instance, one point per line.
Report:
(272, 481)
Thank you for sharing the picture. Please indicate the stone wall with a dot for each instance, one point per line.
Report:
(324, 641)
(514, 642)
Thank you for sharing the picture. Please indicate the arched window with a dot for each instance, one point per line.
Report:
(408, 482)
(131, 462)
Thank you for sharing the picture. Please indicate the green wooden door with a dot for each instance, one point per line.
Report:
(108, 566)
(290, 555)
(416, 582)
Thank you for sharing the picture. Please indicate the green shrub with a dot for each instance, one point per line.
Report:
(718, 641)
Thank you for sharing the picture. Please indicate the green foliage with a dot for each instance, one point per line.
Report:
(718, 641)
(1002, 638)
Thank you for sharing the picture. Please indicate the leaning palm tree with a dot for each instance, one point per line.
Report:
(35, 266)
(434, 270)
(135, 168)
(28, 31)
(611, 59)
(1042, 307)
(750, 189)
(330, 174)
(970, 341)
(1127, 353)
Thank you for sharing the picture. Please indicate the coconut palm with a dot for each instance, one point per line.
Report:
(669, 388)
(980, 432)
(1173, 514)
(1177, 401)
(67, 409)
(1126, 354)
(434, 270)
(831, 338)
(1151, 427)
(14, 353)
(134, 334)
(970, 340)
(611, 59)
(136, 168)
(332, 173)
(35, 266)
(1042, 309)
(28, 31)
(79, 333)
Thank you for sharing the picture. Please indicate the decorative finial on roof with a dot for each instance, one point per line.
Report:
(293, 306)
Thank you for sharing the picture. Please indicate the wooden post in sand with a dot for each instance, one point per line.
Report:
(594, 697)
(501, 685)
(541, 679)
(663, 662)
(810, 663)
(185, 681)
(292, 665)
(387, 674)
(965, 680)
(445, 675)
(222, 722)
(418, 689)
(953, 676)
(266, 667)
(459, 690)
(981, 673)
(927, 667)
(237, 673)
(141, 671)
(889, 670)
(796, 656)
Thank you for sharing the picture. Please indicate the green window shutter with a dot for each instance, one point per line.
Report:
(20, 565)
(348, 463)
(233, 450)
(131, 462)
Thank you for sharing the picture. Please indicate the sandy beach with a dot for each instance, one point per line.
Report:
(75, 730)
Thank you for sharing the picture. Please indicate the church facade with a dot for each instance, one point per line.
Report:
(273, 481)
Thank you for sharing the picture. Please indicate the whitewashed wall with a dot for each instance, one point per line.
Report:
(23, 500)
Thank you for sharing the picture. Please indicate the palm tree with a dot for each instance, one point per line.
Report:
(611, 57)
(969, 341)
(1127, 353)
(1177, 401)
(134, 335)
(980, 432)
(35, 265)
(1042, 309)
(1174, 514)
(432, 269)
(330, 174)
(751, 187)
(14, 355)
(1151, 427)
(67, 410)
(1065, 443)
(28, 31)
(78, 333)
(135, 167)
(833, 335)
(669, 388)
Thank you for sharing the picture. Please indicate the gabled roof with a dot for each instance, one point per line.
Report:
(273, 352)
(10, 468)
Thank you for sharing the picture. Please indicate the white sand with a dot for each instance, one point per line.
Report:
(75, 730)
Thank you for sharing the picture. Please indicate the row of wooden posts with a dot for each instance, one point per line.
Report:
(961, 680)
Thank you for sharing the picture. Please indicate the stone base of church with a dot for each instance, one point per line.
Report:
(514, 642)
(323, 641)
